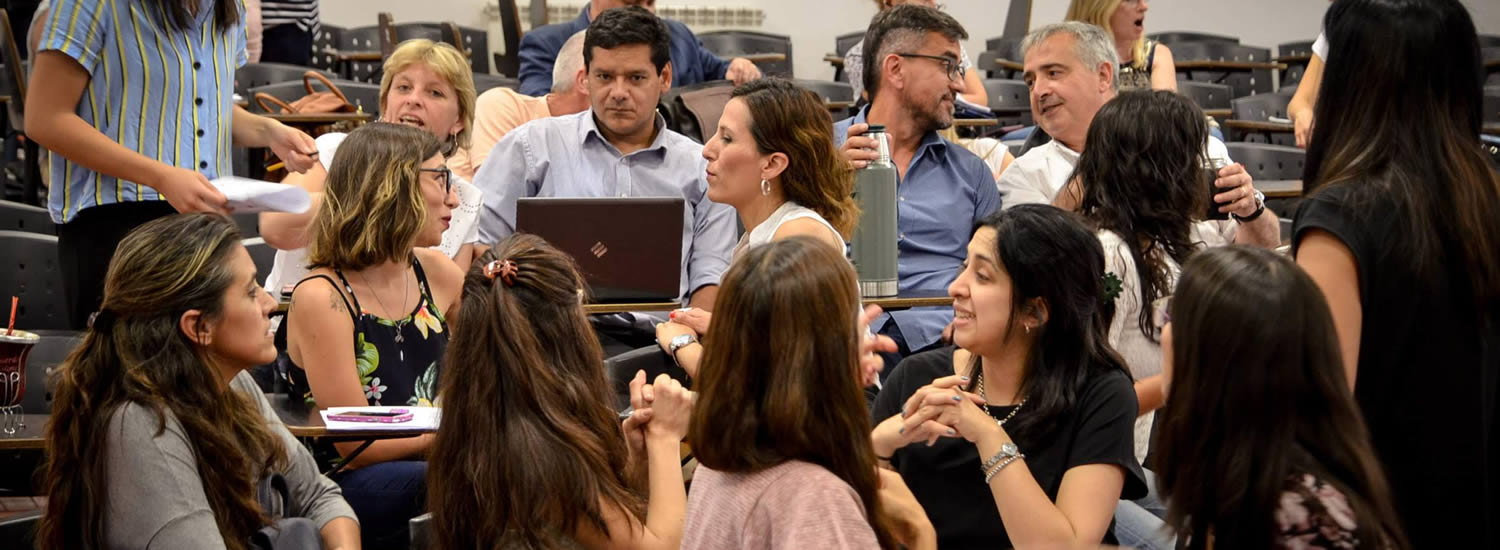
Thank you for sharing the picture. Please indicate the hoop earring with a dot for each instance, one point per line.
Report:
(765, 188)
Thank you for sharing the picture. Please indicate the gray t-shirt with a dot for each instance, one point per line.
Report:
(156, 498)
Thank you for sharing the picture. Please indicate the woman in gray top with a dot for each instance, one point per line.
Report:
(158, 437)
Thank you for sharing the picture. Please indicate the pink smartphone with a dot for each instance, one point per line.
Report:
(391, 416)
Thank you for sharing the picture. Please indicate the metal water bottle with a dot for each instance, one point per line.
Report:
(874, 246)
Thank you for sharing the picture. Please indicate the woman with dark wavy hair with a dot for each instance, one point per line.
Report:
(1026, 423)
(1142, 176)
(1401, 233)
(1260, 444)
(773, 160)
(158, 436)
(531, 455)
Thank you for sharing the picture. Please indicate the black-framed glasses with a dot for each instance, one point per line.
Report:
(951, 66)
(443, 174)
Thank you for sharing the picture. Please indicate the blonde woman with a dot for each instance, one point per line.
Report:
(1143, 63)
(428, 85)
(368, 325)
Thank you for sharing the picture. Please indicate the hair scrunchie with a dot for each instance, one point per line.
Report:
(505, 269)
(101, 321)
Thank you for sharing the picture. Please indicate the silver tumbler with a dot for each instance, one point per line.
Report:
(874, 246)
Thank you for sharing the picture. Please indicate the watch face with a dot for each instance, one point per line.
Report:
(1010, 449)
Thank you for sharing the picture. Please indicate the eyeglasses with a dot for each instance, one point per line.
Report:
(445, 175)
(951, 66)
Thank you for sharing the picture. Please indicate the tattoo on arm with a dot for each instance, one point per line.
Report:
(336, 300)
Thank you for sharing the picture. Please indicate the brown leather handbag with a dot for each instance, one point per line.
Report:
(331, 101)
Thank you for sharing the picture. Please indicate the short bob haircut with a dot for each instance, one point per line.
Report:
(372, 205)
(447, 62)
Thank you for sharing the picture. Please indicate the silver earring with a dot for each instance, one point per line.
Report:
(1028, 328)
(765, 188)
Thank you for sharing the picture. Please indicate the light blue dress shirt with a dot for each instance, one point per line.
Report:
(160, 92)
(947, 190)
(567, 156)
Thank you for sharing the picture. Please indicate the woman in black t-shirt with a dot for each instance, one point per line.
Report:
(1402, 234)
(1027, 428)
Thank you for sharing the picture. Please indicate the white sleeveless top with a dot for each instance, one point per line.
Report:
(291, 265)
(788, 211)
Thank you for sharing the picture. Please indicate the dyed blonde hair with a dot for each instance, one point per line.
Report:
(1098, 12)
(447, 62)
(372, 205)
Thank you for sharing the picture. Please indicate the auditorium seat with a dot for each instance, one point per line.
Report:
(15, 216)
(254, 75)
(29, 270)
(735, 43)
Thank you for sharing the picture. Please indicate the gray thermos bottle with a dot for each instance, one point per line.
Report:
(874, 246)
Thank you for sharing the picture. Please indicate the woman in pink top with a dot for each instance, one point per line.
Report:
(780, 426)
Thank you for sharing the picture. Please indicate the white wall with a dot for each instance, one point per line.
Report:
(812, 24)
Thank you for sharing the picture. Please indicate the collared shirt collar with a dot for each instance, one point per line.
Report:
(930, 139)
(589, 127)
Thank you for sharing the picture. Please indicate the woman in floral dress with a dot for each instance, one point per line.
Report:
(1260, 444)
(367, 325)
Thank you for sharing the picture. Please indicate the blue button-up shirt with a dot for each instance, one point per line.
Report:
(946, 191)
(691, 62)
(160, 92)
(566, 156)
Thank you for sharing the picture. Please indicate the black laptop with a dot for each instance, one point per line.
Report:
(629, 249)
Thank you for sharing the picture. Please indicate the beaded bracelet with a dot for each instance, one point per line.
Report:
(990, 474)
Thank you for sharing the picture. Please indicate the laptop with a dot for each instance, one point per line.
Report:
(628, 249)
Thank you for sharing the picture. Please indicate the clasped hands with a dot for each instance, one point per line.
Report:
(939, 409)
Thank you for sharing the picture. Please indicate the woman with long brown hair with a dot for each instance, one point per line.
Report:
(773, 160)
(531, 455)
(1260, 444)
(780, 428)
(368, 325)
(1401, 234)
(158, 436)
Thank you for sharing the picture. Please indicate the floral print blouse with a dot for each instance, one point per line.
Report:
(1314, 515)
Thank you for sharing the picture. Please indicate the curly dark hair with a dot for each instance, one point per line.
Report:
(1142, 176)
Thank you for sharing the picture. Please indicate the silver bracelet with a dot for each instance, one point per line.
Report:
(990, 474)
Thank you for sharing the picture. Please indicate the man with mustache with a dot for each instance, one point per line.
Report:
(912, 72)
(619, 147)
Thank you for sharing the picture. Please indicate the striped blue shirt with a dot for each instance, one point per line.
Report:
(164, 93)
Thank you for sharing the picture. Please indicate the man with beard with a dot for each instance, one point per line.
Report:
(619, 147)
(912, 72)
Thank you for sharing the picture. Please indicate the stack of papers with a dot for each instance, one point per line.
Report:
(422, 418)
(248, 196)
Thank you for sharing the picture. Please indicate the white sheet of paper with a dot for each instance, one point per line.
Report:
(421, 418)
(247, 195)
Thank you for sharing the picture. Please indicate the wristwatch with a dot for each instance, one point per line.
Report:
(1260, 208)
(678, 342)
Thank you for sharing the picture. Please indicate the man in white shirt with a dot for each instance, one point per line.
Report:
(1070, 68)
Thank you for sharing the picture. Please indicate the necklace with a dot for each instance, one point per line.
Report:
(405, 290)
(979, 380)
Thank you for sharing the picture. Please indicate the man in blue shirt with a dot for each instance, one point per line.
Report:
(620, 147)
(913, 72)
(691, 62)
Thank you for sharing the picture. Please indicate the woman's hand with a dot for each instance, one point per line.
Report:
(693, 318)
(900, 510)
(870, 362)
(635, 425)
(944, 403)
(294, 147)
(669, 330)
(671, 409)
